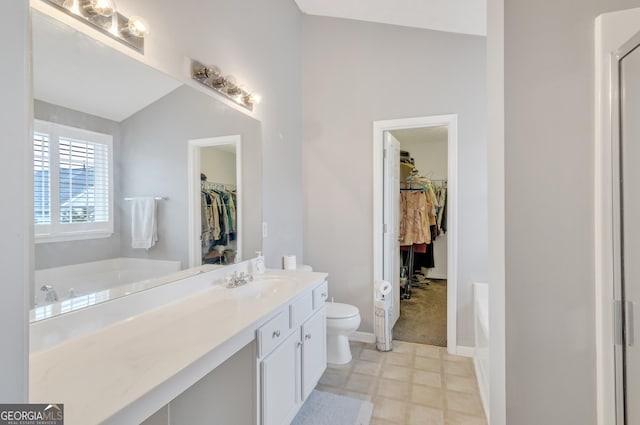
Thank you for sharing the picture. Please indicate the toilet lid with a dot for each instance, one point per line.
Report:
(341, 311)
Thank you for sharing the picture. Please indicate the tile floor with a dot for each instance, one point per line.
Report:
(412, 385)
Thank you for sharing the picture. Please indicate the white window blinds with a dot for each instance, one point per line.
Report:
(72, 182)
(41, 173)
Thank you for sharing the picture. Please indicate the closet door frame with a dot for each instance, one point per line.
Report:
(613, 33)
(379, 127)
(193, 191)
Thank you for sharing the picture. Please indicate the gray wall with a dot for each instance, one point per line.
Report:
(55, 254)
(154, 163)
(495, 182)
(259, 43)
(353, 74)
(549, 111)
(16, 216)
(219, 166)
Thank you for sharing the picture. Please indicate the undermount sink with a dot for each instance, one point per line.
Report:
(261, 287)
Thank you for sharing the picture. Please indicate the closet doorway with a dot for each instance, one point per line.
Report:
(419, 262)
(215, 166)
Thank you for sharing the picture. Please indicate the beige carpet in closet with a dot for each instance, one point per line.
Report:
(423, 317)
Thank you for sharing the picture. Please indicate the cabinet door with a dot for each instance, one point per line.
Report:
(280, 382)
(314, 351)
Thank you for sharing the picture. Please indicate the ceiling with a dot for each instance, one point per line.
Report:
(410, 135)
(460, 16)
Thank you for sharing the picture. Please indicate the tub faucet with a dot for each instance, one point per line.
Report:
(51, 296)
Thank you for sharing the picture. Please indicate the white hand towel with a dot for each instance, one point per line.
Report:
(144, 225)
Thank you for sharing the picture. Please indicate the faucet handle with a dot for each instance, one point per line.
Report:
(46, 287)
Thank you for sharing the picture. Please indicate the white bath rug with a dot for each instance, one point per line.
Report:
(322, 408)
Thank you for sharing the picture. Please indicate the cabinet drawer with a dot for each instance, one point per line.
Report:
(300, 309)
(273, 333)
(320, 295)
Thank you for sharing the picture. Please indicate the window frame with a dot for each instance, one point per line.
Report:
(56, 231)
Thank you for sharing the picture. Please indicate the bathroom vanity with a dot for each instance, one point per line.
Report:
(245, 355)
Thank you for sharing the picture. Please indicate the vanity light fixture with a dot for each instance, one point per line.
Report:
(227, 86)
(103, 16)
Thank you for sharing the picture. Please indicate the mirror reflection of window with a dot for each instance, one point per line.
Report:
(73, 183)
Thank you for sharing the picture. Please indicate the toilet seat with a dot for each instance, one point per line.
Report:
(341, 311)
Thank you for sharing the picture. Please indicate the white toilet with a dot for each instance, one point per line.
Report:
(342, 321)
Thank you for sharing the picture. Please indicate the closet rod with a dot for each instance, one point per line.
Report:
(209, 185)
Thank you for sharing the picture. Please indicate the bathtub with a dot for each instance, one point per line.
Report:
(481, 351)
(97, 277)
(88, 313)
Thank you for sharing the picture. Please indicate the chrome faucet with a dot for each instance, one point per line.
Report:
(51, 296)
(238, 279)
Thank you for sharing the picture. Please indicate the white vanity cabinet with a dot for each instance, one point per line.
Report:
(314, 351)
(290, 368)
(279, 383)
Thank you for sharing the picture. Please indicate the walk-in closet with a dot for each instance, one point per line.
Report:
(218, 204)
(423, 235)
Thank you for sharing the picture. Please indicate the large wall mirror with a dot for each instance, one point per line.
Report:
(115, 201)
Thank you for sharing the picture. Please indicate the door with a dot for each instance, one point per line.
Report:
(629, 242)
(280, 382)
(314, 351)
(391, 220)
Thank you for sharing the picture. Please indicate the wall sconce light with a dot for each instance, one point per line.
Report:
(227, 86)
(103, 16)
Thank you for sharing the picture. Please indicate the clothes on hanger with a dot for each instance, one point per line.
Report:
(218, 216)
(423, 213)
(414, 218)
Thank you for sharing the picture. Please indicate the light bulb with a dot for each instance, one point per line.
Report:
(256, 98)
(137, 27)
(104, 8)
(214, 71)
(230, 81)
(71, 5)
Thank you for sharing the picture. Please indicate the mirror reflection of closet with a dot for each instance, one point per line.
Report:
(217, 199)
(219, 221)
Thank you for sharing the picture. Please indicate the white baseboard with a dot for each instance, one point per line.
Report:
(367, 337)
(436, 276)
(483, 385)
(465, 351)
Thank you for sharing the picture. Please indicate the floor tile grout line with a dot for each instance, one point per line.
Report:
(410, 352)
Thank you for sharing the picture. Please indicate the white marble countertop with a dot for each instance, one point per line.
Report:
(133, 367)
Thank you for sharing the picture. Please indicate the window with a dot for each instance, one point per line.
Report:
(72, 183)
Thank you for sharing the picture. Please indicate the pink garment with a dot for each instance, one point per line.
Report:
(414, 223)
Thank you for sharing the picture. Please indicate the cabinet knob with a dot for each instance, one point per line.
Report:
(324, 295)
(307, 336)
(276, 334)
